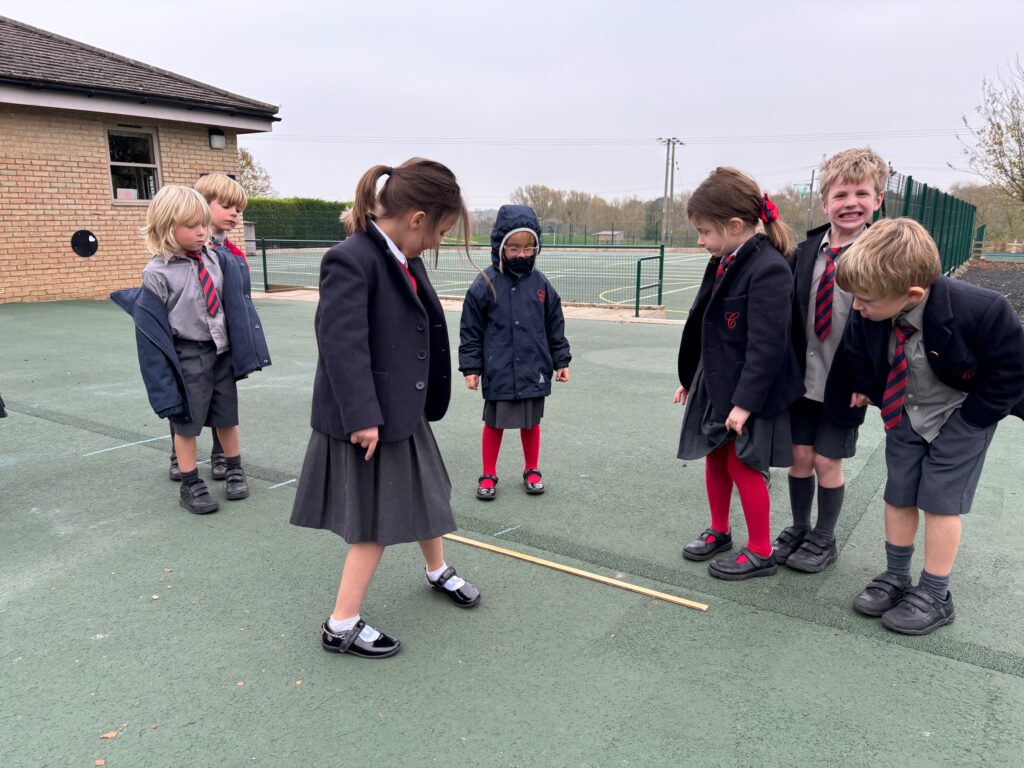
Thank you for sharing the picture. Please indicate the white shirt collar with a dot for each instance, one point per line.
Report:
(395, 251)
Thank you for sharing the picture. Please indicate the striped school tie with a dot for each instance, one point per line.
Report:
(209, 289)
(823, 299)
(723, 265)
(896, 383)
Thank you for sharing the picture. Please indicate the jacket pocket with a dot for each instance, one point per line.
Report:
(380, 385)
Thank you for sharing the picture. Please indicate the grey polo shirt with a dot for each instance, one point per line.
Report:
(176, 282)
(820, 354)
(929, 402)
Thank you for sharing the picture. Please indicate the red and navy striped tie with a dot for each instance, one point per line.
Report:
(723, 265)
(212, 299)
(823, 299)
(896, 383)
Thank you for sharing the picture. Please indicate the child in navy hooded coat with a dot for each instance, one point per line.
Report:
(512, 338)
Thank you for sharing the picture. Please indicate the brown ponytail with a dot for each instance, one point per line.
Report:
(730, 194)
(365, 201)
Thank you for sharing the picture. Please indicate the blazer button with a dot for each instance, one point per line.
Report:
(420, 326)
(420, 385)
(422, 355)
(517, 322)
(933, 353)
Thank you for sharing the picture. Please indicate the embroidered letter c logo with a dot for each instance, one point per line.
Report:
(730, 319)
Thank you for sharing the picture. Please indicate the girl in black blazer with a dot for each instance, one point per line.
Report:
(373, 473)
(737, 369)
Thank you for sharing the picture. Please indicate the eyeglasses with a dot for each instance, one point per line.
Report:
(515, 251)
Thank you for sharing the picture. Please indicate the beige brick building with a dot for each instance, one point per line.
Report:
(86, 139)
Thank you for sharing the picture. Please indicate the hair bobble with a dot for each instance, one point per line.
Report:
(769, 212)
(389, 170)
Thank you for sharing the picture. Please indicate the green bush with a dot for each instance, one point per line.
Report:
(296, 218)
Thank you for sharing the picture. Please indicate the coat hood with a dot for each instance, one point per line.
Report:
(510, 219)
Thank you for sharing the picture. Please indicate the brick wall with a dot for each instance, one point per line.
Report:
(55, 180)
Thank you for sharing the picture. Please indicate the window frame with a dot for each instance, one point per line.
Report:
(153, 134)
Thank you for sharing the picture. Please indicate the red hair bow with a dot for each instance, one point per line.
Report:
(769, 212)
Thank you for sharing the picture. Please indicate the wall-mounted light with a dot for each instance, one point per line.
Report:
(217, 140)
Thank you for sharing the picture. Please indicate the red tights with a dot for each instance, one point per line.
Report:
(722, 469)
(492, 446)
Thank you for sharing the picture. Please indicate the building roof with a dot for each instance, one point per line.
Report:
(38, 59)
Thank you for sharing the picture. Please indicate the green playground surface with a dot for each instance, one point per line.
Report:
(189, 640)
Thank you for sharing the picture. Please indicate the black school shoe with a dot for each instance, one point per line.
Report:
(731, 570)
(349, 641)
(919, 612)
(237, 485)
(817, 552)
(707, 545)
(534, 489)
(219, 467)
(881, 594)
(466, 596)
(486, 494)
(788, 542)
(174, 473)
(196, 498)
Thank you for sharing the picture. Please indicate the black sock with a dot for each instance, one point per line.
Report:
(898, 560)
(174, 453)
(233, 461)
(217, 448)
(190, 478)
(801, 496)
(830, 504)
(937, 585)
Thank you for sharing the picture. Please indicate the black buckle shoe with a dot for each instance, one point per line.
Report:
(733, 570)
(486, 494)
(788, 542)
(707, 545)
(534, 489)
(237, 484)
(197, 499)
(219, 467)
(174, 473)
(919, 612)
(817, 552)
(349, 641)
(465, 596)
(881, 594)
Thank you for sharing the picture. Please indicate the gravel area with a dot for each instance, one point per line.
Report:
(1006, 278)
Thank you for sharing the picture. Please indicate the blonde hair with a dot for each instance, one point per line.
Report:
(173, 206)
(730, 194)
(217, 186)
(854, 166)
(889, 259)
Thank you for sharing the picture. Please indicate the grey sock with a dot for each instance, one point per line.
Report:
(830, 504)
(937, 585)
(897, 560)
(801, 496)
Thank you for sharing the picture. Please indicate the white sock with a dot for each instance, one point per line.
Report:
(368, 633)
(452, 584)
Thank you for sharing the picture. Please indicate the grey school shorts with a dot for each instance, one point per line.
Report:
(809, 427)
(940, 477)
(210, 384)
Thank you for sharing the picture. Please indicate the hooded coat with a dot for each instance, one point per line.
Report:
(514, 335)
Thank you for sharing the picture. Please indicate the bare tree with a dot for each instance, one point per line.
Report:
(255, 179)
(546, 202)
(997, 152)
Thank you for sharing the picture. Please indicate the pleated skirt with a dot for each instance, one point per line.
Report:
(514, 414)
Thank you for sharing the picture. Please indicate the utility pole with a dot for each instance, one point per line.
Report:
(810, 199)
(670, 159)
(672, 184)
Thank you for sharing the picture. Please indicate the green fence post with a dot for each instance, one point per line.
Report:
(263, 248)
(906, 196)
(661, 273)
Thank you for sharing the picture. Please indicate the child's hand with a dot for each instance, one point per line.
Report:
(472, 381)
(857, 400)
(680, 397)
(366, 438)
(562, 374)
(737, 419)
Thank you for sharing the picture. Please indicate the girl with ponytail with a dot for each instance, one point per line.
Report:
(737, 368)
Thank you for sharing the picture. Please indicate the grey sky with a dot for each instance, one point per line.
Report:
(895, 75)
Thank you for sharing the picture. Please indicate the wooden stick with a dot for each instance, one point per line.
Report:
(577, 572)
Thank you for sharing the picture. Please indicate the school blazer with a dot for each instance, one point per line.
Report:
(974, 341)
(837, 386)
(742, 333)
(384, 358)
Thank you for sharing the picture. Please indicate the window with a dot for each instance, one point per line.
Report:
(133, 167)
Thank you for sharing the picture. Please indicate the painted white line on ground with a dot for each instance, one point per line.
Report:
(286, 482)
(509, 530)
(128, 445)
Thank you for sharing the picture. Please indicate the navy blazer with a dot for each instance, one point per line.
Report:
(742, 333)
(384, 357)
(974, 341)
(838, 385)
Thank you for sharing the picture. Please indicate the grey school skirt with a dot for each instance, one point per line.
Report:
(402, 494)
(765, 442)
(513, 414)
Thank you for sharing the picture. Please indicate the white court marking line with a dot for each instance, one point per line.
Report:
(128, 445)
(509, 530)
(286, 482)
